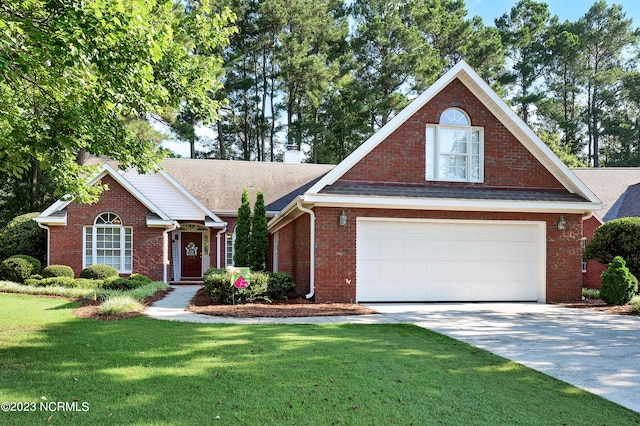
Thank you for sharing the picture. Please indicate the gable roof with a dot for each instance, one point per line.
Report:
(218, 184)
(496, 105)
(617, 187)
(166, 200)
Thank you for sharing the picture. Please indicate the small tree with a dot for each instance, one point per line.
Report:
(242, 246)
(259, 235)
(23, 236)
(618, 284)
(619, 237)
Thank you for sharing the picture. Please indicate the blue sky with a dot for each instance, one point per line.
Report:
(570, 10)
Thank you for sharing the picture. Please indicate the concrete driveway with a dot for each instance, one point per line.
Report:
(596, 352)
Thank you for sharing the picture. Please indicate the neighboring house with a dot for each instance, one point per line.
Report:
(619, 190)
(455, 199)
(172, 225)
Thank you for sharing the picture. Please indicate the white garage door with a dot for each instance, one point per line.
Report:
(418, 261)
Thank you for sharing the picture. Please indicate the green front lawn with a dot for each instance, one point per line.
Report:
(143, 371)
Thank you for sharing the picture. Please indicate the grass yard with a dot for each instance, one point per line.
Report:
(148, 372)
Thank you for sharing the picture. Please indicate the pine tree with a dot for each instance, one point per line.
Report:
(259, 235)
(242, 246)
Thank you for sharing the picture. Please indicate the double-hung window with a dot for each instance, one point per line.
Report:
(108, 242)
(454, 149)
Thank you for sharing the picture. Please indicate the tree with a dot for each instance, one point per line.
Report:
(618, 284)
(619, 237)
(524, 35)
(259, 235)
(23, 236)
(606, 34)
(242, 245)
(71, 73)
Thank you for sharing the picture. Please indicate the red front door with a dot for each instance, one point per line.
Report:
(191, 255)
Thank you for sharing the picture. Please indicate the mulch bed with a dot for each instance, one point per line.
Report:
(295, 307)
(600, 306)
(89, 308)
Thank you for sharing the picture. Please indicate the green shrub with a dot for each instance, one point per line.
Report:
(141, 278)
(19, 268)
(213, 270)
(619, 237)
(99, 272)
(88, 283)
(117, 283)
(222, 291)
(279, 285)
(57, 271)
(36, 277)
(635, 302)
(119, 304)
(591, 293)
(23, 235)
(618, 284)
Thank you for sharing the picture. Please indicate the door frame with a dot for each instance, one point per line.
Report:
(194, 228)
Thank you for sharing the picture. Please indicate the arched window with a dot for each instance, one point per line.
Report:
(108, 242)
(454, 148)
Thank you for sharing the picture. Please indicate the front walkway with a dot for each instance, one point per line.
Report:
(172, 307)
(597, 352)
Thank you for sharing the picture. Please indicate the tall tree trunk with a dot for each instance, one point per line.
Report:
(34, 184)
(222, 151)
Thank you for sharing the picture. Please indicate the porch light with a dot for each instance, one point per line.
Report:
(343, 219)
(562, 223)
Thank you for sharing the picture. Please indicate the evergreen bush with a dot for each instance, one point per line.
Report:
(618, 284)
(99, 272)
(259, 238)
(23, 235)
(279, 285)
(117, 283)
(619, 237)
(19, 268)
(242, 245)
(220, 288)
(57, 271)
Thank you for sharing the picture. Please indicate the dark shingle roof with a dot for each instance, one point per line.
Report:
(441, 192)
(616, 187)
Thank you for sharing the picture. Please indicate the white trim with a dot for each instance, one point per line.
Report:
(52, 220)
(94, 245)
(326, 200)
(542, 240)
(274, 265)
(495, 104)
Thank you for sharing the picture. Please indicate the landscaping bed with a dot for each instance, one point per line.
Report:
(298, 307)
(89, 308)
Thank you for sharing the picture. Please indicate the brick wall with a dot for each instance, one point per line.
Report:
(591, 278)
(401, 157)
(335, 275)
(294, 253)
(66, 241)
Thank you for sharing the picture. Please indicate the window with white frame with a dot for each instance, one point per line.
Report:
(230, 241)
(108, 242)
(584, 246)
(454, 149)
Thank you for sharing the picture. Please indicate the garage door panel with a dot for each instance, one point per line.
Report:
(447, 261)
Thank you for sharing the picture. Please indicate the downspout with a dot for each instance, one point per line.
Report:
(165, 249)
(218, 235)
(312, 250)
(45, 227)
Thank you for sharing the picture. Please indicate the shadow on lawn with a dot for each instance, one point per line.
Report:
(141, 370)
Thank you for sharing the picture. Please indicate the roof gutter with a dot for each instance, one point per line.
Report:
(312, 249)
(45, 227)
(165, 248)
(218, 235)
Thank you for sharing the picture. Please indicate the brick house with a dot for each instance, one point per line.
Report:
(455, 199)
(619, 190)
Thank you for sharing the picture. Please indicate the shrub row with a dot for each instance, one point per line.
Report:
(265, 286)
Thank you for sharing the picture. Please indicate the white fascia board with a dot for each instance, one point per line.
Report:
(190, 196)
(211, 223)
(52, 220)
(285, 212)
(451, 204)
(160, 223)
